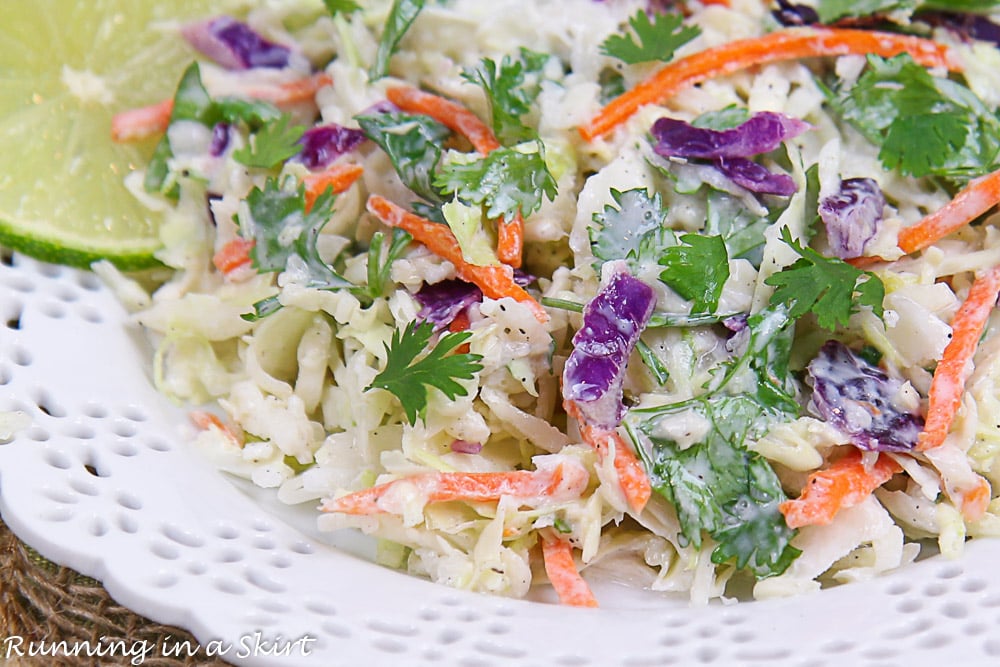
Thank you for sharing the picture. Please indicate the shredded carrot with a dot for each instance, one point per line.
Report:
(845, 483)
(496, 281)
(143, 122)
(452, 115)
(135, 124)
(473, 487)
(634, 482)
(781, 45)
(338, 178)
(510, 242)
(948, 383)
(206, 420)
(979, 196)
(572, 589)
(233, 255)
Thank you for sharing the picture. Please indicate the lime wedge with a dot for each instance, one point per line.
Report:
(66, 67)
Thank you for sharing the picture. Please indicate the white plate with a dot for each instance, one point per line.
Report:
(102, 481)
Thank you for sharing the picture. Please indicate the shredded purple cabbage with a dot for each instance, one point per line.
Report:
(860, 400)
(967, 25)
(442, 302)
(761, 133)
(220, 139)
(595, 371)
(794, 15)
(853, 216)
(234, 45)
(466, 447)
(323, 144)
(730, 150)
(755, 177)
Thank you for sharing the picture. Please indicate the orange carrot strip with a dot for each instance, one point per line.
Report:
(473, 487)
(948, 383)
(452, 115)
(845, 483)
(135, 124)
(233, 255)
(789, 44)
(980, 195)
(495, 281)
(338, 178)
(571, 588)
(142, 122)
(633, 479)
(206, 420)
(457, 118)
(510, 240)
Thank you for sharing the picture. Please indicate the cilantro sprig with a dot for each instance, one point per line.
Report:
(505, 181)
(511, 87)
(924, 125)
(413, 365)
(655, 39)
(697, 269)
(401, 17)
(829, 287)
(335, 7)
(413, 144)
(630, 229)
(272, 144)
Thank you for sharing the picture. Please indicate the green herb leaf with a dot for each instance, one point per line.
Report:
(697, 270)
(718, 485)
(413, 143)
(401, 16)
(509, 92)
(829, 287)
(285, 236)
(379, 268)
(631, 229)
(925, 125)
(658, 38)
(411, 367)
(336, 7)
(270, 146)
(505, 182)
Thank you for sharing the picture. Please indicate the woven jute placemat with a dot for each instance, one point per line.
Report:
(46, 607)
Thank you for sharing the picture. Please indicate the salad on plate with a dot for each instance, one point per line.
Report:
(698, 296)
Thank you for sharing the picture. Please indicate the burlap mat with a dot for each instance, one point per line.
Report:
(43, 602)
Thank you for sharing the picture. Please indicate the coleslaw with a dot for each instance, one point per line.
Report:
(697, 296)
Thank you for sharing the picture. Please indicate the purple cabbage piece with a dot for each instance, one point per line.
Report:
(755, 177)
(595, 371)
(761, 133)
(860, 400)
(220, 139)
(794, 15)
(234, 45)
(323, 144)
(853, 216)
(442, 302)
(967, 25)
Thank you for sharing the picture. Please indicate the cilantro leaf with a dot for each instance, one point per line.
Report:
(924, 125)
(270, 146)
(829, 287)
(401, 16)
(413, 143)
(335, 7)
(508, 92)
(632, 229)
(407, 374)
(379, 268)
(506, 181)
(285, 238)
(697, 270)
(657, 38)
(718, 485)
